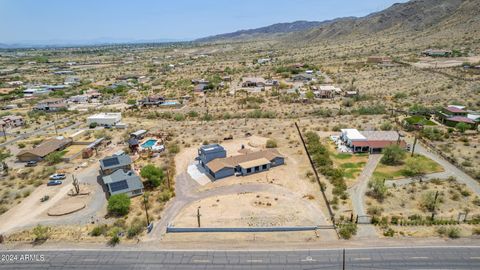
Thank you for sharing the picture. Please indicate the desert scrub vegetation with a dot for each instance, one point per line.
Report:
(347, 230)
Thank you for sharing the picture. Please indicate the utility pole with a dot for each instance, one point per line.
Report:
(145, 201)
(206, 105)
(198, 216)
(434, 205)
(55, 123)
(414, 144)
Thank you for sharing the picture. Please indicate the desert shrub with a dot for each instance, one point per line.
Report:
(179, 117)
(136, 227)
(347, 230)
(374, 210)
(414, 167)
(165, 195)
(99, 230)
(192, 114)
(41, 233)
(173, 148)
(371, 110)
(429, 202)
(271, 143)
(386, 126)
(118, 204)
(377, 189)
(388, 232)
(453, 232)
(114, 240)
(431, 133)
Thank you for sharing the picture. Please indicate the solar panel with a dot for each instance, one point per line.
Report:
(111, 162)
(116, 186)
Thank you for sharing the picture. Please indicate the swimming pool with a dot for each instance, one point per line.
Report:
(149, 144)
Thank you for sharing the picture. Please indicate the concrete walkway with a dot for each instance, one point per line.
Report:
(357, 194)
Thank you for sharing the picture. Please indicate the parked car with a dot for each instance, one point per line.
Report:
(54, 183)
(31, 164)
(58, 176)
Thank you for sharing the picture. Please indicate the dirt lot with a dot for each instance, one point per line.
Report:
(411, 199)
(430, 62)
(250, 210)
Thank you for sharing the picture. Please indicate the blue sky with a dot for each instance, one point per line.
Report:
(76, 20)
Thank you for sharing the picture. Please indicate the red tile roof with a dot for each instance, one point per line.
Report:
(461, 119)
(455, 110)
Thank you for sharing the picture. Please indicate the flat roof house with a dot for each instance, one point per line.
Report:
(43, 149)
(120, 182)
(437, 53)
(370, 141)
(105, 119)
(12, 121)
(326, 91)
(51, 105)
(152, 101)
(111, 164)
(253, 82)
(303, 77)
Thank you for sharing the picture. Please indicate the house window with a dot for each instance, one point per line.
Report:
(264, 167)
(249, 170)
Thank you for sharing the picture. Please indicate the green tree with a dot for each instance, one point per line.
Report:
(462, 127)
(154, 175)
(131, 102)
(393, 155)
(119, 204)
(55, 157)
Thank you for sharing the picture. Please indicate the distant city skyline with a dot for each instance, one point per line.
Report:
(59, 21)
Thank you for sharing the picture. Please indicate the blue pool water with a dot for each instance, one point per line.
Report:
(149, 143)
(169, 103)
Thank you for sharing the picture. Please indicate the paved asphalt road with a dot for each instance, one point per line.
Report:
(374, 258)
